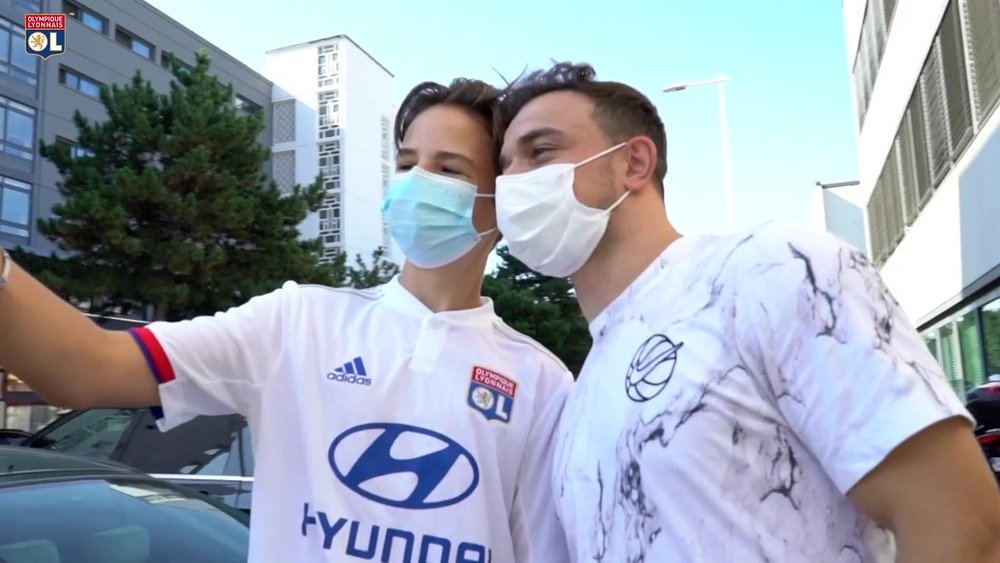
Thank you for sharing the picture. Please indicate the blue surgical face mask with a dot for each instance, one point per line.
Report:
(430, 217)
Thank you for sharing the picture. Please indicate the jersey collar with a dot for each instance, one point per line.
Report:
(400, 299)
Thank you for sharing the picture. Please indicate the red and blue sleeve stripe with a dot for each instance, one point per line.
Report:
(156, 357)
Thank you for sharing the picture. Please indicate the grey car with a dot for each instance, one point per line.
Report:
(211, 454)
(57, 508)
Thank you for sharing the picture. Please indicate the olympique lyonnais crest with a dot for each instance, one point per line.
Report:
(45, 34)
(492, 394)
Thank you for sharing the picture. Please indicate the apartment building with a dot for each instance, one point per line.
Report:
(927, 83)
(333, 117)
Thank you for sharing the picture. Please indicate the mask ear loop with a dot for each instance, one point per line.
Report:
(606, 151)
(600, 154)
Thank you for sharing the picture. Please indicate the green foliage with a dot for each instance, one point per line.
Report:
(541, 307)
(169, 205)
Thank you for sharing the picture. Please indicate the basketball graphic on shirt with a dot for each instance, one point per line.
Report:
(651, 368)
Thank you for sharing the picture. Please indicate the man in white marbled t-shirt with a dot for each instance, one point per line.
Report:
(752, 397)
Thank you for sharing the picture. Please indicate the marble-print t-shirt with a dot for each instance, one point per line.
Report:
(735, 392)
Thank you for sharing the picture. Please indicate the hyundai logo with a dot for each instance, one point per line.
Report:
(403, 466)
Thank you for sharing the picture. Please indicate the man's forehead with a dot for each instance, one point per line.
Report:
(558, 110)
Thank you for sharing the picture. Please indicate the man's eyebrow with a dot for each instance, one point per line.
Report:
(535, 134)
(405, 152)
(529, 138)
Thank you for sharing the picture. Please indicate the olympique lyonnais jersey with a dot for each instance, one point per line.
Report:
(736, 391)
(382, 431)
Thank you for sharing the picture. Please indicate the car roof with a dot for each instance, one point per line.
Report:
(19, 463)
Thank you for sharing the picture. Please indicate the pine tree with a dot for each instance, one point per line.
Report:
(169, 206)
(541, 307)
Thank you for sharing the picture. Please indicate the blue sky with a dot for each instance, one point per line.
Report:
(791, 116)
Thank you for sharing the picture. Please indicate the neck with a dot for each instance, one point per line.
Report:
(453, 287)
(630, 245)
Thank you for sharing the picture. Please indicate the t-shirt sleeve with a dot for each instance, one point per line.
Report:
(535, 527)
(214, 365)
(834, 351)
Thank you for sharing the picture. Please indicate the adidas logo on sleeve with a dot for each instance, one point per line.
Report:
(351, 372)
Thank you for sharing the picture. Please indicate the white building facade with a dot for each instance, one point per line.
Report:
(333, 116)
(927, 85)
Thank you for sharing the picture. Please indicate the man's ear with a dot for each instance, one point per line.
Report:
(641, 154)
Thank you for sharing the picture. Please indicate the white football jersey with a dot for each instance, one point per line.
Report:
(382, 431)
(736, 391)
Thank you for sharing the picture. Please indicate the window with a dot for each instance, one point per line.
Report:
(329, 218)
(991, 335)
(15, 207)
(955, 80)
(921, 158)
(328, 109)
(17, 129)
(944, 113)
(329, 160)
(284, 121)
(283, 169)
(208, 445)
(972, 349)
(92, 433)
(983, 25)
(165, 61)
(937, 113)
(888, 11)
(30, 5)
(386, 138)
(79, 82)
(75, 150)
(13, 58)
(871, 47)
(127, 519)
(931, 339)
(87, 17)
(951, 358)
(139, 46)
(907, 170)
(246, 106)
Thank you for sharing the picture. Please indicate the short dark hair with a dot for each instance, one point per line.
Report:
(477, 97)
(620, 110)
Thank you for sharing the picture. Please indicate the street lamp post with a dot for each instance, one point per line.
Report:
(727, 178)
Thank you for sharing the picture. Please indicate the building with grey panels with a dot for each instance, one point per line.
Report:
(107, 41)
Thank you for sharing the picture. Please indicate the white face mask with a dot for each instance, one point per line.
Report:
(545, 226)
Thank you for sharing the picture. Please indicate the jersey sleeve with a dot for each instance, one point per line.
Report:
(834, 351)
(214, 365)
(535, 528)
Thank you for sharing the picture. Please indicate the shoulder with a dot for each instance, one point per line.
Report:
(314, 292)
(550, 366)
(773, 252)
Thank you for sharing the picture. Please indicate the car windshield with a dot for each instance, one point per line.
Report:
(123, 520)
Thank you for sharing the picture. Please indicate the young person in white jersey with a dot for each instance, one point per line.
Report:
(751, 397)
(406, 423)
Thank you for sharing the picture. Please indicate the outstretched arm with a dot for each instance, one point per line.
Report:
(63, 355)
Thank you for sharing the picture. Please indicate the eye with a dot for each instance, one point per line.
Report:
(451, 171)
(403, 166)
(538, 152)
